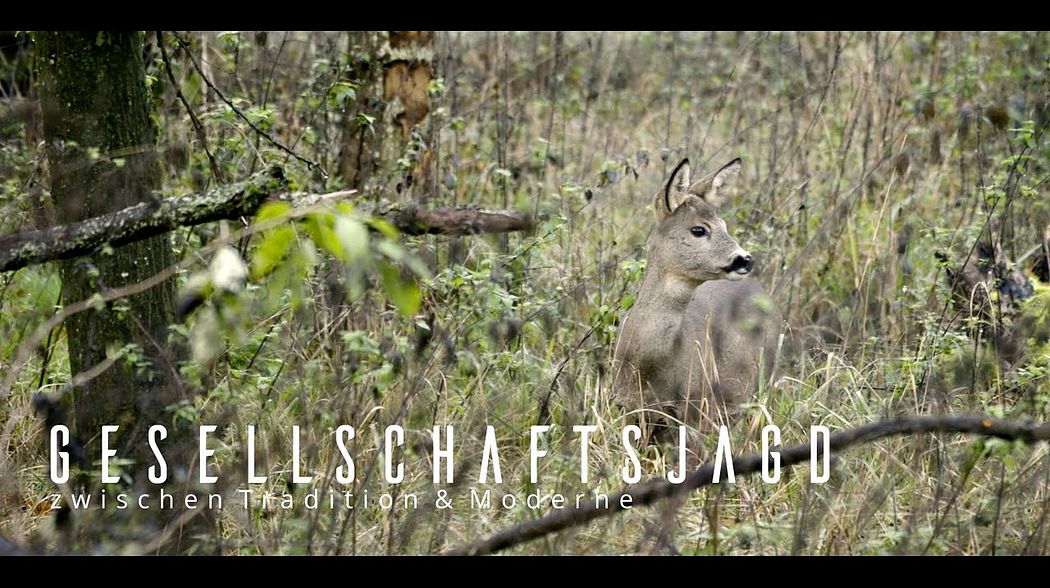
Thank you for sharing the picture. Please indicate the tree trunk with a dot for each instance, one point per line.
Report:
(101, 150)
(360, 144)
(394, 71)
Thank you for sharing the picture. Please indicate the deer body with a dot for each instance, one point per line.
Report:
(700, 331)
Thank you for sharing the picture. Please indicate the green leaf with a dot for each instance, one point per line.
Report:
(342, 93)
(396, 252)
(271, 251)
(406, 296)
(353, 236)
(383, 226)
(364, 120)
(263, 117)
(319, 225)
(627, 302)
(391, 249)
(205, 338)
(272, 210)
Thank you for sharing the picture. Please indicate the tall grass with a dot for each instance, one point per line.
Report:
(864, 154)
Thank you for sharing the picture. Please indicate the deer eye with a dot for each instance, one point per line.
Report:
(698, 231)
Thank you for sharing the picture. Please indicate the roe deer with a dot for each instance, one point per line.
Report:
(691, 345)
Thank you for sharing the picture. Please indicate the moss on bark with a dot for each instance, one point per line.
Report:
(101, 150)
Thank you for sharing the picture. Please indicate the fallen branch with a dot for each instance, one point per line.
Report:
(654, 490)
(159, 215)
(153, 216)
(411, 220)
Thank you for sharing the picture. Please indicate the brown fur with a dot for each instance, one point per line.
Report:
(690, 347)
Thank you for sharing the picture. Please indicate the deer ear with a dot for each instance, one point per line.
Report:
(711, 187)
(682, 183)
(671, 195)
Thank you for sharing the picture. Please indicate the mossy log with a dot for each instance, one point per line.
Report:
(156, 216)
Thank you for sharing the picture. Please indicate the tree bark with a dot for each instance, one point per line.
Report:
(393, 70)
(137, 222)
(146, 220)
(358, 153)
(101, 151)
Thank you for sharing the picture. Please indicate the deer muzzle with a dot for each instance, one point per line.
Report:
(741, 264)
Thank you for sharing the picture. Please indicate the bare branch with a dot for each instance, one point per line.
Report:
(657, 489)
(156, 216)
(198, 128)
(411, 220)
(309, 163)
(153, 216)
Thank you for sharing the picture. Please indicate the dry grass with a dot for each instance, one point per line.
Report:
(864, 154)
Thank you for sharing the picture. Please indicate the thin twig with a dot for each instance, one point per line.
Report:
(657, 489)
(232, 201)
(197, 126)
(309, 162)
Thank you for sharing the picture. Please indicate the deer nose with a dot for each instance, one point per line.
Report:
(741, 262)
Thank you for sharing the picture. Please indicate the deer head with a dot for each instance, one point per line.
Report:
(691, 242)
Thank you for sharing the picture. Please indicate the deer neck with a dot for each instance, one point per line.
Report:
(663, 299)
(665, 292)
